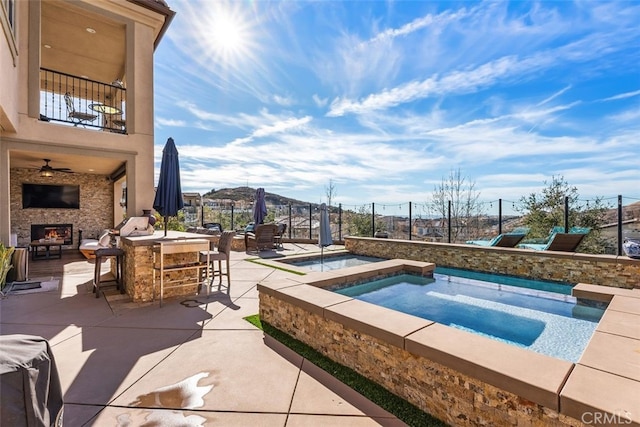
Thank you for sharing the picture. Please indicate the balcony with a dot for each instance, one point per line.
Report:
(82, 102)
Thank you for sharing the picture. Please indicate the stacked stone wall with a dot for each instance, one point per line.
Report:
(139, 271)
(604, 270)
(95, 213)
(451, 396)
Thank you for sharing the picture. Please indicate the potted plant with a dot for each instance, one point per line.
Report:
(5, 263)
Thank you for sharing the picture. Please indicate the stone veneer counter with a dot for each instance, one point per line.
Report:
(138, 262)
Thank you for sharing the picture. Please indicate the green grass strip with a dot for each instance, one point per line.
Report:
(254, 320)
(399, 407)
(257, 261)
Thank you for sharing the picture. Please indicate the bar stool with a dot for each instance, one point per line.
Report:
(222, 254)
(101, 255)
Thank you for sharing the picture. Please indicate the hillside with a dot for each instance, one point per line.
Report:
(628, 212)
(248, 194)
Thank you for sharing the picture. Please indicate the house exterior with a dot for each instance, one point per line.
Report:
(76, 111)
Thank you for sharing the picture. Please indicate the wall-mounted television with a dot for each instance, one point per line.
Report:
(50, 196)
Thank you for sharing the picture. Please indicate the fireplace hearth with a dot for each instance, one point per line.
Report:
(52, 232)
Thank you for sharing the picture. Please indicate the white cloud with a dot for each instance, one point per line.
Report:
(622, 96)
(160, 121)
(320, 102)
(283, 100)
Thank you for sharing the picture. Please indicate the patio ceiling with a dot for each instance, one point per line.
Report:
(81, 43)
(79, 164)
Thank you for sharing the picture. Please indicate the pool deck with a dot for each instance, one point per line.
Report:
(122, 363)
(194, 359)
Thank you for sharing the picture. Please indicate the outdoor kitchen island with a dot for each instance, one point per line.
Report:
(139, 263)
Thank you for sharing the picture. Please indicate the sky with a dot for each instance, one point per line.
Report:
(382, 100)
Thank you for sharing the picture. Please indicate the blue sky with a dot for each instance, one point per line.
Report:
(385, 99)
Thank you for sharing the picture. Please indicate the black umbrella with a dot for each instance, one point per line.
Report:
(324, 236)
(168, 200)
(259, 207)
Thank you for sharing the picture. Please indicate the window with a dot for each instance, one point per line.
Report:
(10, 13)
(8, 21)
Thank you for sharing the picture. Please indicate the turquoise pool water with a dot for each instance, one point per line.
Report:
(520, 312)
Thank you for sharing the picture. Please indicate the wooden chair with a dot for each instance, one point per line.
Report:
(282, 228)
(262, 238)
(222, 254)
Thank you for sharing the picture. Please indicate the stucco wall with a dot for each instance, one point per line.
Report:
(605, 270)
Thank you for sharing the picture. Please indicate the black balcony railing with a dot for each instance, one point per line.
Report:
(82, 102)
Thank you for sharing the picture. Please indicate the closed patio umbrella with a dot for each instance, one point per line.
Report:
(324, 237)
(259, 208)
(168, 200)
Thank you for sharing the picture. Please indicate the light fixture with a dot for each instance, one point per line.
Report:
(46, 173)
(123, 198)
(47, 46)
(90, 30)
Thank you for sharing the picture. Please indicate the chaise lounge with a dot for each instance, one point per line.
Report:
(561, 242)
(505, 240)
(88, 247)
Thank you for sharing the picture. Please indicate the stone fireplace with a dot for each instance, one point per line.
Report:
(52, 232)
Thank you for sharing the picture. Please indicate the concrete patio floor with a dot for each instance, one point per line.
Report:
(193, 362)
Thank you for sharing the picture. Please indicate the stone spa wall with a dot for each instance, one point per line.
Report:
(604, 270)
(459, 377)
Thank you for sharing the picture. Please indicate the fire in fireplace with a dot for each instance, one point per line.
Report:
(52, 233)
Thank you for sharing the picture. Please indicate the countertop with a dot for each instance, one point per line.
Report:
(158, 236)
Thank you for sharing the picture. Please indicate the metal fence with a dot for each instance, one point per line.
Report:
(82, 102)
(411, 221)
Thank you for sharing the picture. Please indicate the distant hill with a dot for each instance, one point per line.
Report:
(628, 212)
(248, 194)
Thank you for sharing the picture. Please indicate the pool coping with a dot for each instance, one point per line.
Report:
(551, 382)
(287, 261)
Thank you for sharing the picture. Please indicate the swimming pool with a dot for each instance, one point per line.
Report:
(520, 312)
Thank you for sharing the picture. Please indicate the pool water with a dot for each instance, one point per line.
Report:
(329, 263)
(530, 316)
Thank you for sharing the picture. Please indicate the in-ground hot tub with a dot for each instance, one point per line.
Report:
(327, 261)
(457, 376)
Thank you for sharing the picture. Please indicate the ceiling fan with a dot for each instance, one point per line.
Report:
(47, 171)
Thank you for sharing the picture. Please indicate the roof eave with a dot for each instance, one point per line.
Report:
(160, 7)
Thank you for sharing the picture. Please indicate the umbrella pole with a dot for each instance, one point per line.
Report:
(166, 223)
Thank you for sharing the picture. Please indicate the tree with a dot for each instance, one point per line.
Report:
(175, 223)
(545, 210)
(330, 191)
(464, 202)
(359, 223)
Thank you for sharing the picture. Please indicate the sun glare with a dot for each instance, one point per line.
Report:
(229, 34)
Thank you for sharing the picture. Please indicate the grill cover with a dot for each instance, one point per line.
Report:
(30, 391)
